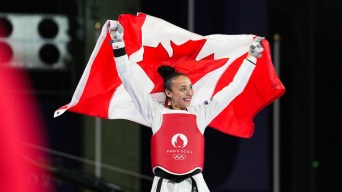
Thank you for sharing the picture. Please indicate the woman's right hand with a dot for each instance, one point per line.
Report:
(116, 31)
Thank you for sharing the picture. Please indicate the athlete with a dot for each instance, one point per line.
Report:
(177, 143)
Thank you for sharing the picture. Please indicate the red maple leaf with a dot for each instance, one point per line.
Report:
(183, 59)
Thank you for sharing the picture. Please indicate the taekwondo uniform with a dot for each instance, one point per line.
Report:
(177, 143)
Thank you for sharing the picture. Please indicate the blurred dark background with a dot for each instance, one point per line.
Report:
(305, 157)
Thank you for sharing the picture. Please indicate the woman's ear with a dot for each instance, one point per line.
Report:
(167, 93)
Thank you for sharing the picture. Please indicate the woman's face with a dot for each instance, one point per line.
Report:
(181, 92)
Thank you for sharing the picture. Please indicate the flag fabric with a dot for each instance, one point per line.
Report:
(210, 62)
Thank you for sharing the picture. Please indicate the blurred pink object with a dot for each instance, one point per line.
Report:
(20, 125)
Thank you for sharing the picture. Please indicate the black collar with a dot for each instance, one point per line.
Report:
(170, 107)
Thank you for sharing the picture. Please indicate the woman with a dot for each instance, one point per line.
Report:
(178, 141)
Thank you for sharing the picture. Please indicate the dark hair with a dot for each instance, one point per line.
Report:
(168, 73)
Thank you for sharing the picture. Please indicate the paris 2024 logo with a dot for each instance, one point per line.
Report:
(179, 142)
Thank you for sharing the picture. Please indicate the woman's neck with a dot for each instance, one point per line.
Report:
(176, 108)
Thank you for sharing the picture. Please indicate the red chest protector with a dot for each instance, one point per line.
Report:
(178, 146)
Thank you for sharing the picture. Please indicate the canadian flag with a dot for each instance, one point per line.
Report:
(210, 62)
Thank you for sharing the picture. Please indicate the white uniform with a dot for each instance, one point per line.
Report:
(205, 112)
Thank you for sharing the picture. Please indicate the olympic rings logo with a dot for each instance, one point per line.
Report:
(179, 156)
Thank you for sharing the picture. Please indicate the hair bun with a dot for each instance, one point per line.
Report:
(166, 71)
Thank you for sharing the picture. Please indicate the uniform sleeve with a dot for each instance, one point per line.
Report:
(208, 110)
(143, 101)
